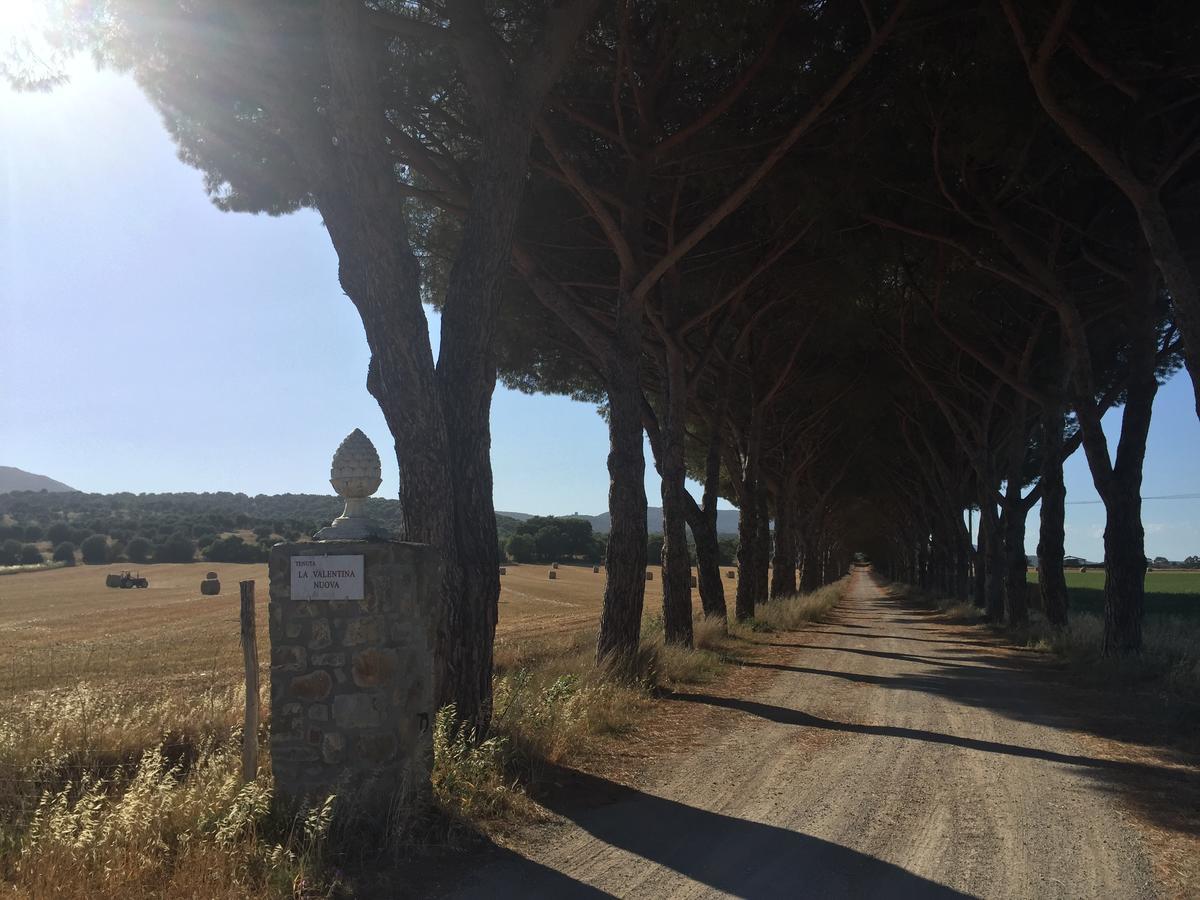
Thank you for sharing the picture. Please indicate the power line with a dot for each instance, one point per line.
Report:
(1160, 497)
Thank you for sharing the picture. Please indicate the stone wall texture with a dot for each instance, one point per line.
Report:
(352, 680)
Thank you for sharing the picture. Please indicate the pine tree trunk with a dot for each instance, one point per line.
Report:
(703, 522)
(750, 528)
(1124, 571)
(810, 572)
(1052, 580)
(979, 557)
(1016, 565)
(783, 575)
(828, 570)
(625, 561)
(1124, 537)
(708, 559)
(923, 564)
(962, 575)
(962, 560)
(1016, 582)
(747, 553)
(676, 565)
(763, 549)
(993, 551)
(1119, 481)
(466, 375)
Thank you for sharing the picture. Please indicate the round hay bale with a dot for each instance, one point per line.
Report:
(112, 580)
(693, 581)
(649, 576)
(503, 571)
(554, 566)
(211, 576)
(1083, 570)
(553, 574)
(595, 570)
(210, 587)
(731, 574)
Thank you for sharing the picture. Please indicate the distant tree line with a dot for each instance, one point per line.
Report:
(144, 528)
(101, 529)
(546, 539)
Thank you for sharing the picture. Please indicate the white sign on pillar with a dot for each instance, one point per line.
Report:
(327, 578)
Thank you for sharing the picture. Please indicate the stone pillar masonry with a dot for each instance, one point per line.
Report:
(351, 626)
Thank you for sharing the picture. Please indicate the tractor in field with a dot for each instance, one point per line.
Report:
(126, 580)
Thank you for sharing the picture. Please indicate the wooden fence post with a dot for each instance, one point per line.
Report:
(250, 656)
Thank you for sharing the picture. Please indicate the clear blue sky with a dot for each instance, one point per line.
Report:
(149, 342)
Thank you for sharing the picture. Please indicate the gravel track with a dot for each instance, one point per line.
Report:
(891, 756)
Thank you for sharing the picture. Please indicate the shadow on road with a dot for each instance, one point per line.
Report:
(978, 668)
(727, 854)
(786, 716)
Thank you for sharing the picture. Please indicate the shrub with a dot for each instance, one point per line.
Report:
(31, 555)
(94, 550)
(33, 533)
(10, 552)
(520, 548)
(65, 553)
(233, 549)
(138, 550)
(178, 548)
(550, 543)
(59, 533)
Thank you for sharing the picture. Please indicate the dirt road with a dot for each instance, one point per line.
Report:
(892, 756)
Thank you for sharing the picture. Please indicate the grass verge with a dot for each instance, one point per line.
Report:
(1169, 661)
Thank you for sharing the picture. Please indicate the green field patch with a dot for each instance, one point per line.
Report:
(1167, 593)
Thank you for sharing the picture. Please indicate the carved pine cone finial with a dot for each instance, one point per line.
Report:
(355, 471)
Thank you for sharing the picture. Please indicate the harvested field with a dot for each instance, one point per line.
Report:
(64, 625)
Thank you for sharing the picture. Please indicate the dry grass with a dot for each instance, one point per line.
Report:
(164, 832)
(794, 612)
(119, 729)
(1169, 661)
(1170, 657)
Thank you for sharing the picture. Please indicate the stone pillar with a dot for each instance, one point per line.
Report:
(351, 624)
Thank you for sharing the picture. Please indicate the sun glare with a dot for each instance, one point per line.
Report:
(21, 20)
(29, 54)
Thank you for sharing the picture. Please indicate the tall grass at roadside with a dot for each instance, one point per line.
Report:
(1169, 659)
(953, 609)
(794, 612)
(1170, 655)
(163, 829)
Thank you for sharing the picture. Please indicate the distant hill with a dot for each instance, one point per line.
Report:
(727, 520)
(13, 479)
